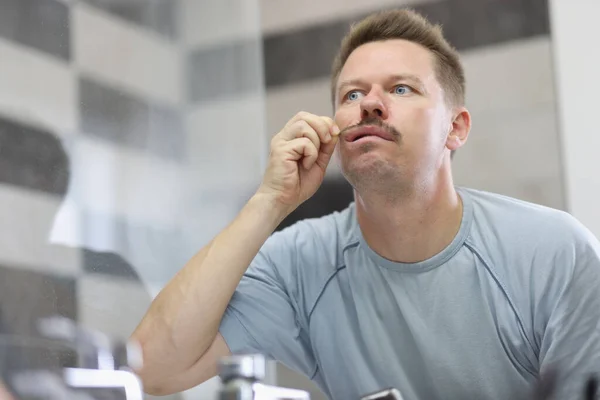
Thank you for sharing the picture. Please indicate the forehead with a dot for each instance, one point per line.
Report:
(375, 61)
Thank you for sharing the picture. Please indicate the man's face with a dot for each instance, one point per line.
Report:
(389, 92)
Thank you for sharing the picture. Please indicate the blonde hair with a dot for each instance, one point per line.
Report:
(408, 25)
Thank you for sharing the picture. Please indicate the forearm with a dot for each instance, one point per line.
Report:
(184, 318)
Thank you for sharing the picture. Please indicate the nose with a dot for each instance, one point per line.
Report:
(373, 106)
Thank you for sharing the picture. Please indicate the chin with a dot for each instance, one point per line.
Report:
(370, 174)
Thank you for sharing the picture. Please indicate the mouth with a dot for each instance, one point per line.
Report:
(363, 132)
(361, 137)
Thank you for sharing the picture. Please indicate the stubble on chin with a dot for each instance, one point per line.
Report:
(374, 176)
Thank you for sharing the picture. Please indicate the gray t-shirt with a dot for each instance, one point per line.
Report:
(515, 293)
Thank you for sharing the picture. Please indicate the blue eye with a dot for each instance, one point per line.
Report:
(401, 89)
(353, 95)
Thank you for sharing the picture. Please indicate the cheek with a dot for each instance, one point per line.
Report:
(421, 127)
(427, 116)
(345, 117)
(428, 122)
(412, 121)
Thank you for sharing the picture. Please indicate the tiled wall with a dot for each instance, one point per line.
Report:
(164, 110)
(126, 143)
(505, 45)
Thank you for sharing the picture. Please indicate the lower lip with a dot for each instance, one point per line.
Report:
(366, 139)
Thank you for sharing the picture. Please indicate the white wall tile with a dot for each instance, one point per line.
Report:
(514, 153)
(126, 55)
(511, 76)
(112, 180)
(283, 15)
(37, 89)
(227, 142)
(111, 305)
(286, 101)
(208, 23)
(28, 217)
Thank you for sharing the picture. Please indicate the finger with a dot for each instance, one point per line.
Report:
(325, 153)
(303, 129)
(302, 148)
(334, 130)
(321, 125)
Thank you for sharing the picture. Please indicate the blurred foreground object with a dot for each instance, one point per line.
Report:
(68, 362)
(241, 376)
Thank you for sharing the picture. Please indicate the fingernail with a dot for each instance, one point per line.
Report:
(336, 130)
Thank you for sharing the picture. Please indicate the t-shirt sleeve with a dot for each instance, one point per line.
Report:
(263, 316)
(570, 345)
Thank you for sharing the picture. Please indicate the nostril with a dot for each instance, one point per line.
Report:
(374, 112)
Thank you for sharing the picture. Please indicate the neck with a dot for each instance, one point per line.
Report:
(412, 226)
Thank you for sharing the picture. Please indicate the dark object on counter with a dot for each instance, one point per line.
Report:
(591, 388)
(546, 385)
(333, 195)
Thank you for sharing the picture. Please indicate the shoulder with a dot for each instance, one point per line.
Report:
(514, 220)
(529, 238)
(534, 253)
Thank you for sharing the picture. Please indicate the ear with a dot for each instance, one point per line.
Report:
(459, 131)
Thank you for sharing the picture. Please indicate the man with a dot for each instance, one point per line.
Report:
(441, 292)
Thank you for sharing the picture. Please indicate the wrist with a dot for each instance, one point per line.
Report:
(270, 208)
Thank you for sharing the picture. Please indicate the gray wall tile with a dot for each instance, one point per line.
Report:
(122, 118)
(225, 71)
(294, 56)
(302, 55)
(32, 158)
(159, 16)
(108, 264)
(41, 24)
(26, 296)
(471, 24)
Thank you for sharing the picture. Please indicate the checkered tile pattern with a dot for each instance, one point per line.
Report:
(131, 132)
(108, 182)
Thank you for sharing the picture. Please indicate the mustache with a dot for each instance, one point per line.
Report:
(374, 122)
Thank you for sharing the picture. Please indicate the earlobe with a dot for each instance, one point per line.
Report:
(453, 142)
(460, 128)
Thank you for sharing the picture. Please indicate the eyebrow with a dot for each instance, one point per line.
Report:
(394, 78)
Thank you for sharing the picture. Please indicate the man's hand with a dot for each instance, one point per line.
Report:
(300, 153)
